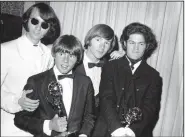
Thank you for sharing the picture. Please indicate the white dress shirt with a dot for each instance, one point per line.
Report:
(19, 60)
(135, 65)
(94, 73)
(67, 85)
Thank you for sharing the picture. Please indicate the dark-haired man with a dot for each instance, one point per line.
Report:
(130, 82)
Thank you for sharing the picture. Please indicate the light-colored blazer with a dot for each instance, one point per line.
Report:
(19, 60)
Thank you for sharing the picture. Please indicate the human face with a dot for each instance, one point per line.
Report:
(35, 31)
(98, 48)
(65, 61)
(135, 46)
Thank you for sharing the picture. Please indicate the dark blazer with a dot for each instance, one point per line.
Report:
(81, 69)
(81, 116)
(115, 93)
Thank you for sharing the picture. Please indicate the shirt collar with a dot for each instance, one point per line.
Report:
(57, 72)
(135, 65)
(25, 46)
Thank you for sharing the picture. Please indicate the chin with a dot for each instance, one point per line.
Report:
(65, 72)
(99, 56)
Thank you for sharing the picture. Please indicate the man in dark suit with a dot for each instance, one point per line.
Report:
(130, 82)
(66, 99)
(99, 42)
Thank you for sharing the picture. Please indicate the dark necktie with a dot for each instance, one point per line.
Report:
(65, 76)
(91, 65)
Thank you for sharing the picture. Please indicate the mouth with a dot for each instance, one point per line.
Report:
(64, 66)
(101, 52)
(136, 52)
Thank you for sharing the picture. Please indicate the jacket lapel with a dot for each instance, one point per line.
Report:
(80, 69)
(75, 92)
(141, 70)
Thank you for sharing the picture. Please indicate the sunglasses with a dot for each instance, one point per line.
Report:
(35, 21)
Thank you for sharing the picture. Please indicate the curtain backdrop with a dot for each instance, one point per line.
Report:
(166, 20)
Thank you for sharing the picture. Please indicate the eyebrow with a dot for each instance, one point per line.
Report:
(138, 42)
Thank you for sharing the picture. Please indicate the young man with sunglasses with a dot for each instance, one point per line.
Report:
(23, 57)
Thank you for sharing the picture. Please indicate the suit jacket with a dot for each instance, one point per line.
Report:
(81, 69)
(115, 93)
(18, 63)
(81, 116)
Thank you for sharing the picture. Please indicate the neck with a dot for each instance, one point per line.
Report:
(134, 61)
(32, 40)
(91, 56)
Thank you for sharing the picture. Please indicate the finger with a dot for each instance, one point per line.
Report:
(63, 129)
(111, 55)
(27, 109)
(56, 116)
(30, 110)
(30, 107)
(61, 122)
(64, 117)
(28, 91)
(33, 101)
(29, 101)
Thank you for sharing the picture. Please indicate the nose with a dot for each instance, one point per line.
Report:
(38, 26)
(136, 47)
(102, 44)
(66, 57)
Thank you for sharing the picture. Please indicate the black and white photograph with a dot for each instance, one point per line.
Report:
(92, 68)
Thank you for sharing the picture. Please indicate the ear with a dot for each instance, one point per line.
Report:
(125, 43)
(88, 43)
(53, 54)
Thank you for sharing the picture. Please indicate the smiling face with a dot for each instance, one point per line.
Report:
(98, 48)
(135, 46)
(65, 61)
(35, 30)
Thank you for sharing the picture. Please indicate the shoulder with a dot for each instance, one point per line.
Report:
(46, 49)
(9, 44)
(9, 49)
(151, 70)
(111, 64)
(39, 76)
(82, 77)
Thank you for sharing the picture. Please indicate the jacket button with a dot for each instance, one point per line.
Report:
(122, 88)
(117, 106)
(137, 89)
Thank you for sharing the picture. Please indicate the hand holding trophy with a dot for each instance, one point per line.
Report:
(55, 99)
(133, 115)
